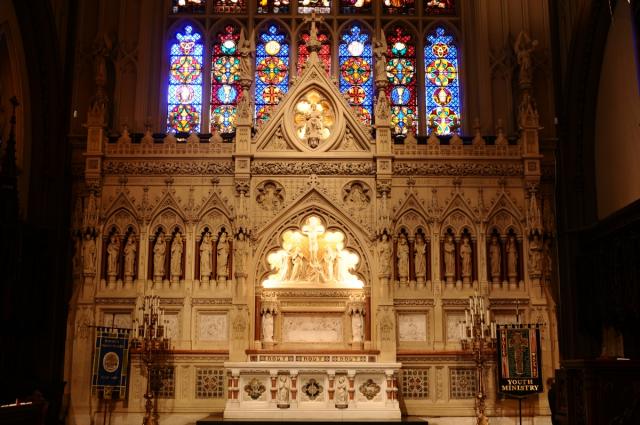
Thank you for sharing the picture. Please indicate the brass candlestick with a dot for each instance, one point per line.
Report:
(479, 337)
(149, 339)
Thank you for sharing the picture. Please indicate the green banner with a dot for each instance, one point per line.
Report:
(111, 363)
(519, 360)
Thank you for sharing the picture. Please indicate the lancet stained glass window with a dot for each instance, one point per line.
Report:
(311, 6)
(399, 7)
(442, 81)
(325, 49)
(401, 72)
(272, 70)
(225, 63)
(355, 6)
(356, 79)
(273, 6)
(184, 93)
(440, 7)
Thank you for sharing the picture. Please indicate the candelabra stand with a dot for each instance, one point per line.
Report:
(149, 339)
(478, 337)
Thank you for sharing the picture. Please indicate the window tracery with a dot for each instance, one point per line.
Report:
(401, 72)
(355, 58)
(442, 81)
(225, 64)
(272, 70)
(185, 82)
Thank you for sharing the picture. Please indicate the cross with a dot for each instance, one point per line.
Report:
(519, 345)
(312, 229)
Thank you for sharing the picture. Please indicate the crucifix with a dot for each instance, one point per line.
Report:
(519, 344)
(312, 229)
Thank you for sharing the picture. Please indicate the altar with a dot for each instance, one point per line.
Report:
(327, 389)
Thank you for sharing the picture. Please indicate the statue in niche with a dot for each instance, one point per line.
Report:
(329, 258)
(384, 253)
(535, 255)
(523, 47)
(297, 259)
(465, 255)
(403, 258)
(357, 327)
(382, 109)
(113, 249)
(512, 257)
(159, 250)
(89, 254)
(495, 258)
(223, 256)
(420, 257)
(205, 257)
(129, 256)
(267, 326)
(283, 391)
(241, 252)
(342, 394)
(176, 256)
(547, 266)
(449, 257)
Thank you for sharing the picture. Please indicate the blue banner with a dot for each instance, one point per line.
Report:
(111, 363)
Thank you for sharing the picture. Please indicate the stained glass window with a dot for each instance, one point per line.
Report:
(356, 79)
(399, 7)
(229, 6)
(440, 7)
(184, 102)
(355, 6)
(324, 53)
(401, 72)
(273, 6)
(442, 80)
(272, 70)
(317, 6)
(188, 6)
(225, 89)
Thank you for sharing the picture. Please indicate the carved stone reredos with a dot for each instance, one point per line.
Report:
(287, 118)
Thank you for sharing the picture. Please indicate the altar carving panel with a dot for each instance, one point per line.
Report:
(412, 327)
(453, 326)
(312, 328)
(212, 327)
(172, 325)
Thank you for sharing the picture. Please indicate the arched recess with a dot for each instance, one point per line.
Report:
(507, 229)
(355, 239)
(413, 225)
(123, 226)
(165, 225)
(213, 222)
(455, 228)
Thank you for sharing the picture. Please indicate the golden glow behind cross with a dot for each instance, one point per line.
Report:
(313, 256)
